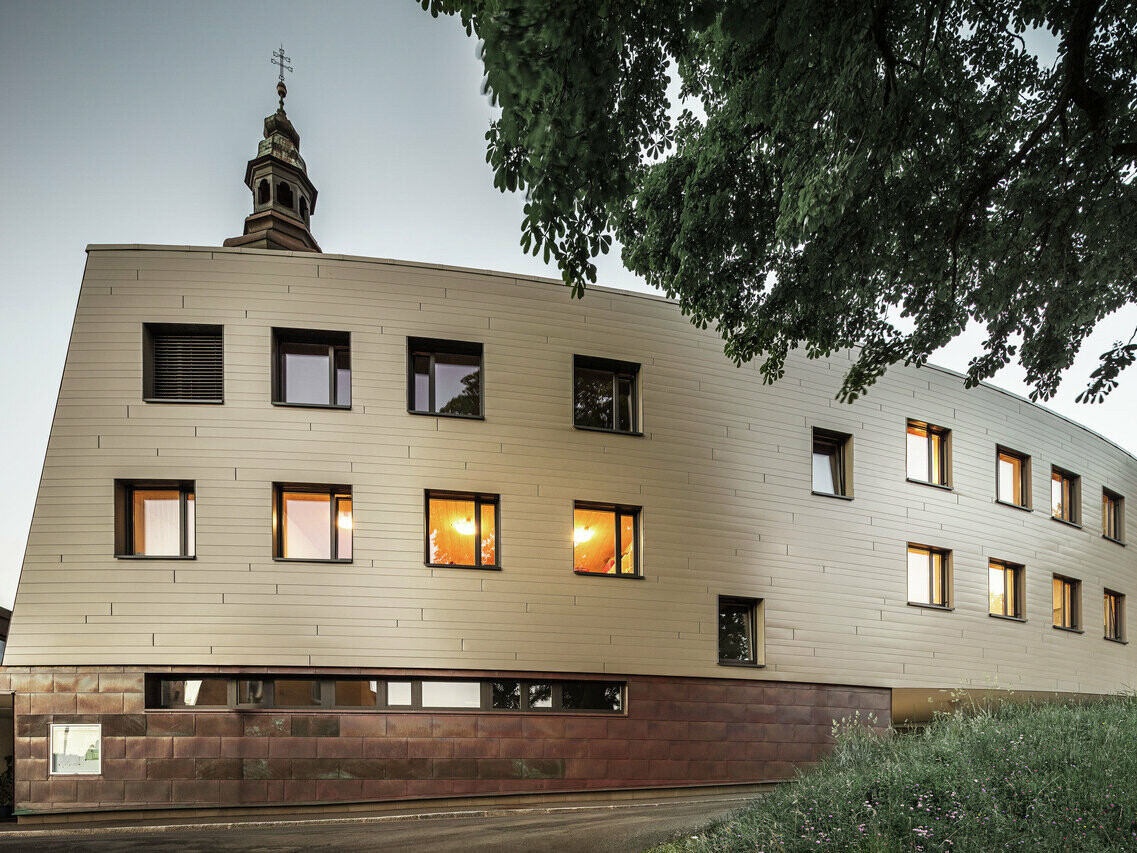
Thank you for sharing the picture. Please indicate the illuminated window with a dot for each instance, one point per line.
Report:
(1112, 516)
(1067, 603)
(312, 368)
(606, 539)
(313, 522)
(928, 453)
(605, 394)
(154, 518)
(740, 631)
(444, 378)
(929, 576)
(832, 463)
(1005, 589)
(462, 530)
(1065, 496)
(1012, 478)
(1114, 616)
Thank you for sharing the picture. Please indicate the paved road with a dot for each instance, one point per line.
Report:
(631, 828)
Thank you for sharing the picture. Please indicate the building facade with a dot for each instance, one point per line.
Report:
(326, 529)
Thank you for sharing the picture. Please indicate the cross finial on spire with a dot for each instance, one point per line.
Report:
(279, 59)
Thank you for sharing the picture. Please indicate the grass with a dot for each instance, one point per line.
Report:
(1011, 777)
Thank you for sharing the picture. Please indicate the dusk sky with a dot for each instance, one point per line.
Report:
(131, 122)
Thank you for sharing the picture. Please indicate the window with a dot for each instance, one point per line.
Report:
(1005, 589)
(605, 394)
(363, 693)
(182, 363)
(832, 463)
(740, 630)
(154, 518)
(195, 693)
(606, 539)
(1067, 603)
(1112, 516)
(284, 195)
(1065, 497)
(928, 453)
(1114, 616)
(462, 530)
(1012, 478)
(76, 749)
(312, 522)
(311, 368)
(444, 378)
(929, 576)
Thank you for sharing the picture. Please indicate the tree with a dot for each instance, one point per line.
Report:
(848, 163)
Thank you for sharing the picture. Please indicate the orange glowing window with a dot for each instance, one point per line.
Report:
(606, 539)
(461, 530)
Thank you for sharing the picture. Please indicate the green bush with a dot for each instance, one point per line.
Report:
(1010, 777)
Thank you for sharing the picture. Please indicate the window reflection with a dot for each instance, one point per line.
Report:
(451, 694)
(591, 696)
(927, 576)
(736, 630)
(1011, 480)
(604, 394)
(540, 696)
(398, 693)
(446, 377)
(506, 694)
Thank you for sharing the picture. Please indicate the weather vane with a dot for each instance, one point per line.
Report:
(278, 58)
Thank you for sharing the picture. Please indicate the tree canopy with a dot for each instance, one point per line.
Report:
(846, 164)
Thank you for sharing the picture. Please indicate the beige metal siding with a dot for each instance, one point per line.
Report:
(722, 472)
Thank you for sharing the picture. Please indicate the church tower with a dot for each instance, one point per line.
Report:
(283, 196)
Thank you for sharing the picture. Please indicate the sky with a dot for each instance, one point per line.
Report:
(131, 122)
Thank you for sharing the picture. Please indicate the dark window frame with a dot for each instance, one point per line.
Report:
(944, 435)
(637, 526)
(841, 445)
(1018, 571)
(1024, 476)
(621, 370)
(149, 368)
(338, 344)
(335, 492)
(1072, 507)
(945, 568)
(753, 606)
(480, 499)
(124, 490)
(1116, 531)
(1071, 621)
(431, 348)
(1118, 633)
(156, 693)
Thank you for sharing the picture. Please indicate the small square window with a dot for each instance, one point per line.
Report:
(356, 693)
(605, 394)
(296, 693)
(929, 453)
(76, 749)
(606, 539)
(311, 368)
(1067, 595)
(312, 522)
(400, 694)
(1005, 589)
(832, 463)
(740, 631)
(252, 692)
(1114, 616)
(195, 693)
(462, 530)
(444, 378)
(1065, 496)
(182, 363)
(929, 576)
(1012, 478)
(1112, 516)
(155, 518)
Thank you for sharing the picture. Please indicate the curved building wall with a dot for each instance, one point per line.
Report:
(722, 473)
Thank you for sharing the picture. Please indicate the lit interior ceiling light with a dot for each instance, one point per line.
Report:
(465, 526)
(344, 521)
(581, 535)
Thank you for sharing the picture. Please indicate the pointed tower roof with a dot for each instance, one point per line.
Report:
(284, 199)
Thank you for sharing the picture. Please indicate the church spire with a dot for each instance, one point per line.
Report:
(283, 197)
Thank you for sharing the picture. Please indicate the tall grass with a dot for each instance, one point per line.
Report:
(1010, 777)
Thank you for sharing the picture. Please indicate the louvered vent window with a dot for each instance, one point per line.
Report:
(182, 363)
